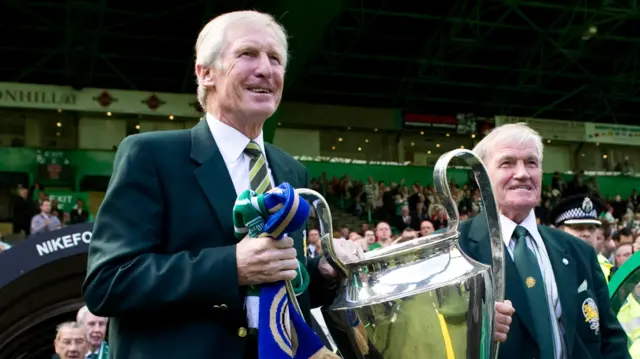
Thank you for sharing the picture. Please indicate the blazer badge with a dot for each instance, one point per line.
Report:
(591, 315)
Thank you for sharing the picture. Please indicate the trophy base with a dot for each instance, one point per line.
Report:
(444, 323)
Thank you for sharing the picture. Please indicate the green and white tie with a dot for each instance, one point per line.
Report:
(259, 182)
(258, 173)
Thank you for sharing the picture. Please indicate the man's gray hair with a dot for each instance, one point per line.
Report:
(212, 40)
(512, 133)
(67, 325)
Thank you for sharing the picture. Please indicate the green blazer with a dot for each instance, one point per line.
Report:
(162, 259)
(574, 262)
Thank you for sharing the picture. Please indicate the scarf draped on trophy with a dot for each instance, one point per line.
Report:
(282, 331)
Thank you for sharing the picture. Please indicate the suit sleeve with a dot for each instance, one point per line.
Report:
(321, 291)
(127, 271)
(614, 338)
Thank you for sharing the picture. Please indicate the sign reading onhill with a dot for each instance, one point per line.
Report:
(18, 96)
(65, 98)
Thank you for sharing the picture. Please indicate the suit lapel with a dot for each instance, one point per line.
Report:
(564, 270)
(213, 176)
(480, 248)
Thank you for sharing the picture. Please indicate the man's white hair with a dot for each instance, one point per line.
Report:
(82, 312)
(512, 133)
(211, 42)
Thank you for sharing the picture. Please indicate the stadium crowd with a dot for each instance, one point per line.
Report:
(398, 211)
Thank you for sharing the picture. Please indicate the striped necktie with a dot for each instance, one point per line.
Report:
(530, 273)
(258, 175)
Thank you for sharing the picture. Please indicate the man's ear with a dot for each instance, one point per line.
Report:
(206, 75)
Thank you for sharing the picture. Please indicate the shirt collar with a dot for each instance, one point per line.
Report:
(230, 141)
(508, 226)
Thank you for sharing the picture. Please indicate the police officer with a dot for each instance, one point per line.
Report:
(578, 216)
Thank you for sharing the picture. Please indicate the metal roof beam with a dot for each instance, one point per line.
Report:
(416, 99)
(480, 67)
(110, 34)
(631, 12)
(494, 87)
(439, 34)
(106, 74)
(527, 50)
(490, 24)
(555, 103)
(80, 5)
(95, 45)
(189, 73)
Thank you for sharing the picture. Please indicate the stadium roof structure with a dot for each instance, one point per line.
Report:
(540, 58)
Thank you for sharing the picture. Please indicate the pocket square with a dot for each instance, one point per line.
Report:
(582, 286)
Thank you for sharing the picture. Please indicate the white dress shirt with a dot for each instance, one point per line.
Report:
(232, 144)
(536, 245)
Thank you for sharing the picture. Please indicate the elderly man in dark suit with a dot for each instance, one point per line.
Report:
(164, 263)
(553, 279)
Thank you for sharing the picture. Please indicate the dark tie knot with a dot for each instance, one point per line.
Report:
(520, 233)
(253, 150)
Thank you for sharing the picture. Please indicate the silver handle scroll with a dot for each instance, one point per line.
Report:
(490, 206)
(324, 219)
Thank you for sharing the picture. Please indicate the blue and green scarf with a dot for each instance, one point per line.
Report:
(282, 331)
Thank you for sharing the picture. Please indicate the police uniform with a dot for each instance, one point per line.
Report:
(580, 210)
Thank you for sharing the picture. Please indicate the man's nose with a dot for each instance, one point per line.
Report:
(264, 66)
(521, 170)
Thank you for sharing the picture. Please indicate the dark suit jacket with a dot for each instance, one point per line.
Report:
(581, 265)
(162, 260)
(79, 217)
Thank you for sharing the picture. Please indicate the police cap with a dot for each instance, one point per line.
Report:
(577, 209)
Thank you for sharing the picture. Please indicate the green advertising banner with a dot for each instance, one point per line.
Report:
(67, 200)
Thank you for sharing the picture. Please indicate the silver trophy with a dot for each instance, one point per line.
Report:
(422, 298)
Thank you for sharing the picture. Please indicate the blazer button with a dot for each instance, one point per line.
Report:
(242, 332)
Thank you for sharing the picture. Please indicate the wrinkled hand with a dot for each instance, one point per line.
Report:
(504, 312)
(265, 260)
(347, 251)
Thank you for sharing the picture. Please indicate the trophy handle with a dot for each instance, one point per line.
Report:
(321, 207)
(491, 209)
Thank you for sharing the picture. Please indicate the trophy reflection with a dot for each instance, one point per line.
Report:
(417, 298)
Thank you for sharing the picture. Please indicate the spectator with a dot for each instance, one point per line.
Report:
(70, 341)
(383, 236)
(419, 215)
(623, 252)
(95, 329)
(314, 247)
(403, 220)
(78, 214)
(24, 209)
(426, 228)
(370, 239)
(45, 221)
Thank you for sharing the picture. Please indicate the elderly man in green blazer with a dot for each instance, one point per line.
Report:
(164, 263)
(553, 279)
